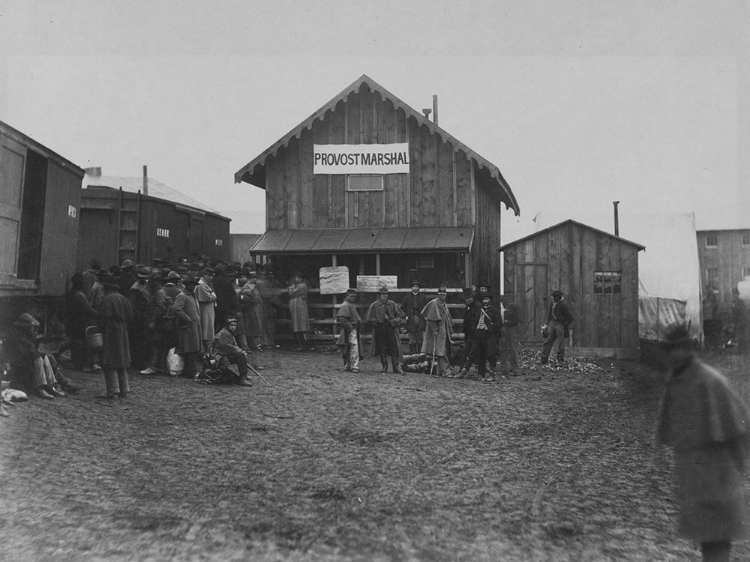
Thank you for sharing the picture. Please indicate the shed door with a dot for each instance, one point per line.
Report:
(12, 169)
(531, 287)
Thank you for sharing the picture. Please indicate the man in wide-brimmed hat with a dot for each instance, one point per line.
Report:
(349, 319)
(386, 316)
(707, 425)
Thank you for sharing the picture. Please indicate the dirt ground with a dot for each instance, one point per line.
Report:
(555, 464)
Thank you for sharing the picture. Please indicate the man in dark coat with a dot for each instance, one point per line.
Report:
(187, 312)
(385, 316)
(127, 276)
(226, 298)
(706, 424)
(486, 322)
(139, 295)
(412, 306)
(156, 311)
(78, 316)
(559, 320)
(114, 317)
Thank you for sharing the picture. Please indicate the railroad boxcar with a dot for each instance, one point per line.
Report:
(40, 197)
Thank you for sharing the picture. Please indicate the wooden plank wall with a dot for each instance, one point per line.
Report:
(486, 258)
(438, 191)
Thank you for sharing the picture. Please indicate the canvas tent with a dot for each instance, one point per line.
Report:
(669, 280)
(668, 269)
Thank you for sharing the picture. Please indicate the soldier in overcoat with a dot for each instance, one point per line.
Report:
(438, 330)
(707, 425)
(187, 312)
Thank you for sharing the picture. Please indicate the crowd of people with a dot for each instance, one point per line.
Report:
(197, 310)
(132, 316)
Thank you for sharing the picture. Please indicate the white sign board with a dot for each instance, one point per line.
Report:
(361, 158)
(333, 280)
(372, 283)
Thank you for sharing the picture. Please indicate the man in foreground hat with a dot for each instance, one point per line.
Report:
(558, 322)
(706, 423)
(385, 316)
(225, 347)
(349, 319)
(412, 306)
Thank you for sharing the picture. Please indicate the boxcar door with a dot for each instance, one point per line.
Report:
(531, 286)
(12, 169)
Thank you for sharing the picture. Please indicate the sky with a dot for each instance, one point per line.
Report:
(578, 103)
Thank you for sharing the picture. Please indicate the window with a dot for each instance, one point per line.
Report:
(746, 238)
(712, 277)
(607, 282)
(364, 182)
(711, 241)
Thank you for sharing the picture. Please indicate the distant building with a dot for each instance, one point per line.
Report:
(724, 257)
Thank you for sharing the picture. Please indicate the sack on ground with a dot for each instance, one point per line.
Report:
(175, 363)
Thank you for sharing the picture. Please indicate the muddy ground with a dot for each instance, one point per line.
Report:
(555, 464)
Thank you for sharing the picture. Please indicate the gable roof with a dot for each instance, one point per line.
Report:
(254, 170)
(570, 221)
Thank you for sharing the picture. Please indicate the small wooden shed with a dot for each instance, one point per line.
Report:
(598, 274)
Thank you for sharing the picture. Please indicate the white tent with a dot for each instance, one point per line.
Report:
(668, 269)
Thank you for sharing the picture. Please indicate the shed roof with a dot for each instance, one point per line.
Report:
(156, 189)
(326, 240)
(570, 221)
(254, 171)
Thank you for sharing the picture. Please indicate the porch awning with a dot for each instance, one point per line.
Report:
(341, 240)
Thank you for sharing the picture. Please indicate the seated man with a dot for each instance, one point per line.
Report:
(30, 368)
(230, 354)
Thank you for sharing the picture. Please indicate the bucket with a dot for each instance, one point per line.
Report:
(94, 338)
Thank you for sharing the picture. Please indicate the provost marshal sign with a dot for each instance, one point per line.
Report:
(361, 158)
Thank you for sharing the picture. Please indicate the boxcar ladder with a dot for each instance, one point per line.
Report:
(128, 211)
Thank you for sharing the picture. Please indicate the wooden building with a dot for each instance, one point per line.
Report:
(120, 221)
(598, 274)
(369, 183)
(40, 194)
